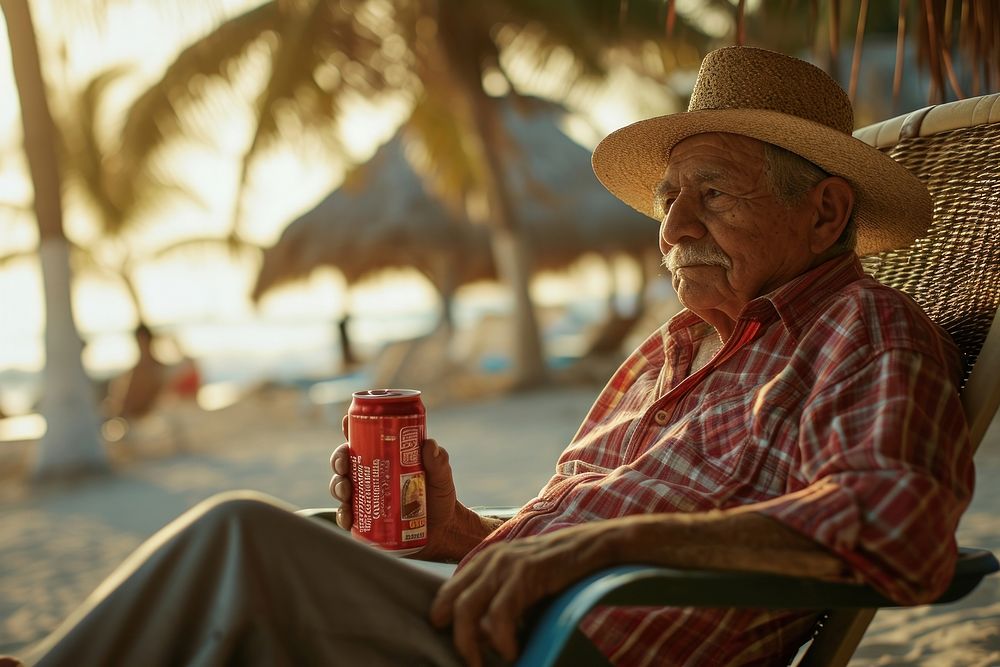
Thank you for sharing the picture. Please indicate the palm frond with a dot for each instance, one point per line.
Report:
(155, 114)
(228, 244)
(121, 199)
(440, 153)
(92, 14)
(9, 258)
(84, 155)
(318, 33)
(15, 209)
(593, 32)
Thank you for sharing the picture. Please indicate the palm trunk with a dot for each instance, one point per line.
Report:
(72, 443)
(510, 249)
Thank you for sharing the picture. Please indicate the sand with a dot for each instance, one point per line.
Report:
(60, 541)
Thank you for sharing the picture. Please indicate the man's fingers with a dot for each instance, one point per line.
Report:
(462, 601)
(345, 518)
(340, 460)
(342, 464)
(485, 600)
(438, 467)
(340, 484)
(499, 624)
(441, 607)
(433, 454)
(340, 488)
(465, 628)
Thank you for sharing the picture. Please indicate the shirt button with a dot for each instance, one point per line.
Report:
(661, 417)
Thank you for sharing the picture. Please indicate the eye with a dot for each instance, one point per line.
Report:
(663, 204)
(716, 200)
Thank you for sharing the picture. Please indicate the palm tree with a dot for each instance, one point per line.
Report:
(118, 200)
(70, 152)
(72, 444)
(434, 53)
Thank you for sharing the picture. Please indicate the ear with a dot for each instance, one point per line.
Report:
(833, 201)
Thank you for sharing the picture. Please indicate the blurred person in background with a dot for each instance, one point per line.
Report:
(148, 385)
(134, 393)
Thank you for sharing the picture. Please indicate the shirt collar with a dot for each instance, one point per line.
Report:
(796, 302)
(799, 301)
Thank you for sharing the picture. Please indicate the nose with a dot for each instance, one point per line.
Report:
(681, 222)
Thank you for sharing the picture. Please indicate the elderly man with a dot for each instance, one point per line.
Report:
(796, 417)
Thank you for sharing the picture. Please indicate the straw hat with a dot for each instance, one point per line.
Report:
(786, 102)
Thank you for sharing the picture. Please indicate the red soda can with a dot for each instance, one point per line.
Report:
(385, 431)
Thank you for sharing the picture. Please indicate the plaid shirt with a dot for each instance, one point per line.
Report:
(832, 408)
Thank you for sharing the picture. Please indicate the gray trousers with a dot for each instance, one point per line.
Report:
(240, 580)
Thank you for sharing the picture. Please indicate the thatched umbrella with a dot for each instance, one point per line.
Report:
(380, 219)
(383, 217)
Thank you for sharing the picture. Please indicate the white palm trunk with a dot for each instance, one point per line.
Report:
(72, 443)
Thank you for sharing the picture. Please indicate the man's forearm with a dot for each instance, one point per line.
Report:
(722, 540)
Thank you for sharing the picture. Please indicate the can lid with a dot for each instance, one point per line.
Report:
(383, 394)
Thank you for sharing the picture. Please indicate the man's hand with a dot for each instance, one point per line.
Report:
(452, 529)
(485, 600)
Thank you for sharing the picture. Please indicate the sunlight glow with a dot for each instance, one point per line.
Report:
(712, 19)
(198, 295)
(320, 296)
(219, 395)
(24, 427)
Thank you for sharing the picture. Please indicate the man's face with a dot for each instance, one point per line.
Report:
(726, 239)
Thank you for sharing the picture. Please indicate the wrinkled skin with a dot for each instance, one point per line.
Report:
(730, 237)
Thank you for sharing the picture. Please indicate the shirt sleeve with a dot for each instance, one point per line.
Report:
(888, 466)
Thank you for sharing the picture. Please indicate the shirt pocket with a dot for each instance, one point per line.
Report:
(730, 446)
(702, 447)
(770, 462)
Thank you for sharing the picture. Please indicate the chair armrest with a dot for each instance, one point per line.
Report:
(496, 511)
(328, 514)
(640, 585)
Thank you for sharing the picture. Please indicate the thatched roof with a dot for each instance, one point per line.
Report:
(388, 220)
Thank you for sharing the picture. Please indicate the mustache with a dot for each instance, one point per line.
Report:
(686, 255)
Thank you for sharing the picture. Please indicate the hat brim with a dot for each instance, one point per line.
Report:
(892, 206)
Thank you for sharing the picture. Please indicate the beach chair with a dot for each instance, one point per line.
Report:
(954, 274)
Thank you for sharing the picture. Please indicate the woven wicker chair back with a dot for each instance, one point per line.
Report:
(954, 272)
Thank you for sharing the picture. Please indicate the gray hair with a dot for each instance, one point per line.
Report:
(791, 176)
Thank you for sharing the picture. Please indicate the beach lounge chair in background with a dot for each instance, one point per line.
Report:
(954, 274)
